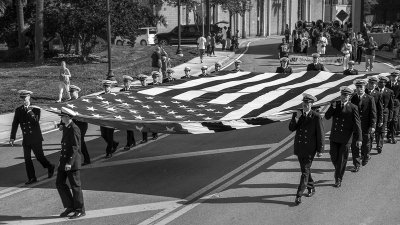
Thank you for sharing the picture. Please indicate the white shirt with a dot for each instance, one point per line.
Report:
(223, 34)
(201, 43)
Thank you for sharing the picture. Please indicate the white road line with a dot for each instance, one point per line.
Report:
(221, 180)
(179, 155)
(102, 213)
(233, 180)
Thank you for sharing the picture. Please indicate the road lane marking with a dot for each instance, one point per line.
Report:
(218, 182)
(180, 155)
(101, 213)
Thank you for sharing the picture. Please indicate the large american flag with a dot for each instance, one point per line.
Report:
(230, 101)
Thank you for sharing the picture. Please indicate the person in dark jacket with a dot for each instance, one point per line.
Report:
(315, 65)
(309, 140)
(372, 91)
(107, 133)
(69, 168)
(387, 110)
(284, 68)
(28, 118)
(395, 87)
(204, 72)
(368, 117)
(169, 77)
(237, 66)
(187, 73)
(351, 70)
(130, 137)
(345, 124)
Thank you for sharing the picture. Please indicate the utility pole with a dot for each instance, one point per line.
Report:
(202, 18)
(208, 16)
(179, 50)
(110, 75)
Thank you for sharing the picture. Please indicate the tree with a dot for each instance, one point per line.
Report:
(21, 24)
(39, 32)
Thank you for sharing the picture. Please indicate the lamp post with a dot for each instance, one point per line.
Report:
(110, 75)
(179, 50)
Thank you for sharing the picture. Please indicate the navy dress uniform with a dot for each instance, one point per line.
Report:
(217, 68)
(345, 124)
(368, 117)
(204, 71)
(27, 117)
(350, 71)
(315, 66)
(107, 133)
(187, 73)
(387, 108)
(70, 155)
(286, 69)
(395, 87)
(169, 77)
(308, 141)
(373, 92)
(130, 137)
(237, 66)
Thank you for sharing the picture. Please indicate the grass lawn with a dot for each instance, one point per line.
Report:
(43, 80)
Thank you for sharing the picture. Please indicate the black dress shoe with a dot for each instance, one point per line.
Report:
(143, 141)
(379, 149)
(66, 212)
(31, 181)
(338, 184)
(311, 192)
(109, 155)
(77, 215)
(356, 169)
(127, 147)
(115, 147)
(394, 141)
(85, 163)
(298, 200)
(50, 171)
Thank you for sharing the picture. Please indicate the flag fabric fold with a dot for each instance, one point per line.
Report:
(227, 102)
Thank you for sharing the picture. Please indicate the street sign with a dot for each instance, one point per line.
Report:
(342, 15)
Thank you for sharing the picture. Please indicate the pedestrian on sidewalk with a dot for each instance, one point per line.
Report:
(368, 117)
(83, 126)
(360, 46)
(223, 41)
(156, 59)
(165, 64)
(387, 111)
(346, 50)
(345, 124)
(69, 168)
(308, 142)
(287, 33)
(107, 133)
(28, 118)
(208, 44)
(283, 49)
(212, 45)
(130, 137)
(228, 38)
(64, 83)
(201, 47)
(370, 48)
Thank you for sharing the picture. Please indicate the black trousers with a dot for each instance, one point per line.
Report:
(130, 138)
(339, 154)
(70, 200)
(380, 131)
(365, 149)
(37, 149)
(392, 125)
(108, 135)
(306, 180)
(359, 54)
(83, 128)
(145, 134)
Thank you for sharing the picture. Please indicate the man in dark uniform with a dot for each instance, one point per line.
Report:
(187, 73)
(284, 68)
(107, 133)
(217, 68)
(350, 70)
(368, 117)
(345, 124)
(157, 76)
(372, 91)
(387, 108)
(308, 141)
(315, 65)
(69, 167)
(204, 71)
(28, 118)
(83, 126)
(169, 77)
(130, 137)
(237, 66)
(395, 87)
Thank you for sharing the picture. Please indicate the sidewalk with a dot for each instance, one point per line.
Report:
(48, 121)
(387, 57)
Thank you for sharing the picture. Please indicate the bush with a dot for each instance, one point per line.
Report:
(16, 55)
(51, 53)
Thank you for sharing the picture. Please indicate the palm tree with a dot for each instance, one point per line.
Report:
(39, 32)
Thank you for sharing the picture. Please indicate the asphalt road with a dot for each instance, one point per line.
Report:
(241, 177)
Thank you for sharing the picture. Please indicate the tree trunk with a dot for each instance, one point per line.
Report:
(39, 33)
(244, 25)
(21, 26)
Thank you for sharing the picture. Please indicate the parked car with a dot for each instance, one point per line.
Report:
(189, 35)
(146, 37)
